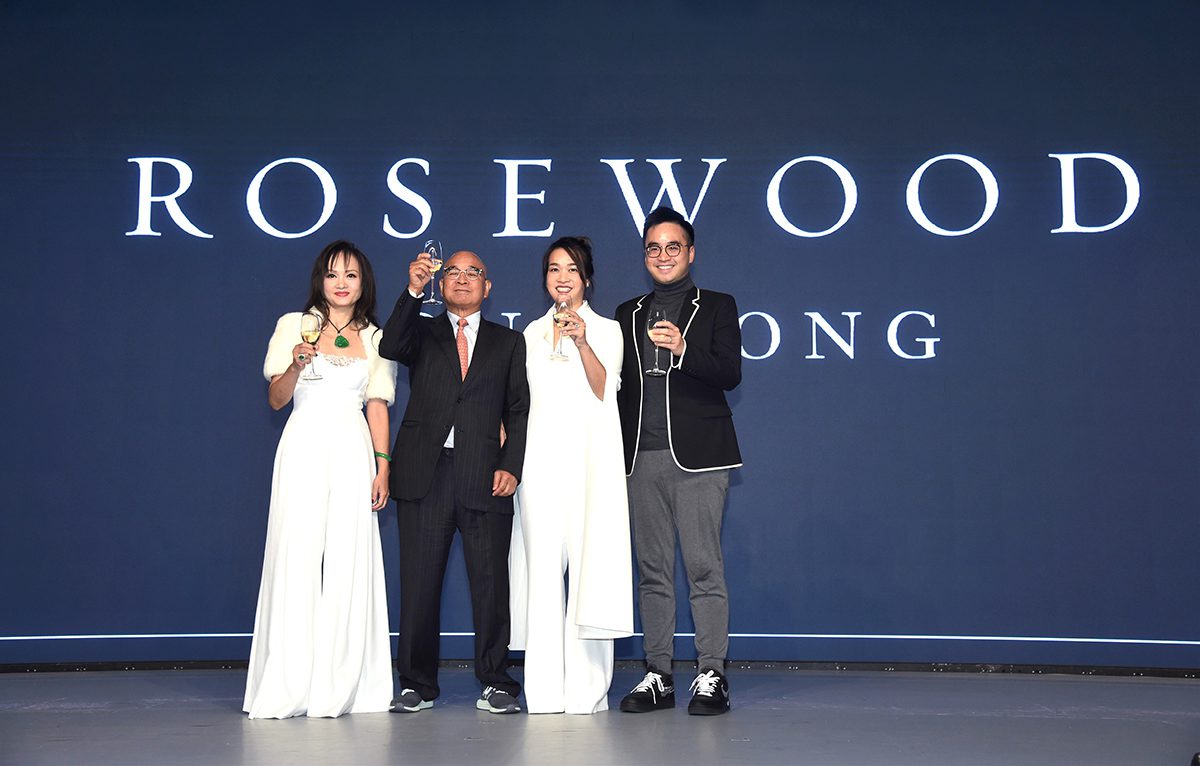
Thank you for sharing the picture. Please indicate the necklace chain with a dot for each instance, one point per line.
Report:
(340, 341)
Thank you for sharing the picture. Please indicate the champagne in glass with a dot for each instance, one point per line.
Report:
(656, 316)
(310, 332)
(560, 320)
(434, 248)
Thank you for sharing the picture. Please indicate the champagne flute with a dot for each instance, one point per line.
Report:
(560, 319)
(656, 316)
(310, 333)
(434, 248)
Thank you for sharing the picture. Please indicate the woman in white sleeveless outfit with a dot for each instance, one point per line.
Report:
(321, 646)
(572, 512)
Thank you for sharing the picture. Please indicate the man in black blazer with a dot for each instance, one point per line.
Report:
(679, 448)
(452, 472)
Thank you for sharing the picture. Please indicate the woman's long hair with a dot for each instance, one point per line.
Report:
(364, 309)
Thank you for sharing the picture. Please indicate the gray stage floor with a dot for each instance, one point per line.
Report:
(787, 717)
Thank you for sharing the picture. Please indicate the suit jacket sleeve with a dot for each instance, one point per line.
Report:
(718, 363)
(401, 340)
(516, 412)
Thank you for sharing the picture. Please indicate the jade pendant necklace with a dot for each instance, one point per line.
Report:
(340, 341)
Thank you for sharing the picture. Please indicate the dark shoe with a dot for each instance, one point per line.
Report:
(496, 701)
(410, 701)
(710, 694)
(655, 692)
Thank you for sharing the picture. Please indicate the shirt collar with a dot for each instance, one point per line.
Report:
(472, 320)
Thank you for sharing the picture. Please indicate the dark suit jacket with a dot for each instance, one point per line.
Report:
(495, 391)
(699, 422)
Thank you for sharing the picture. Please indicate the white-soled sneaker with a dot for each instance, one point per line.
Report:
(497, 701)
(410, 701)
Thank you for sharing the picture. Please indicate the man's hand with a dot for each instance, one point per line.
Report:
(503, 484)
(420, 273)
(668, 336)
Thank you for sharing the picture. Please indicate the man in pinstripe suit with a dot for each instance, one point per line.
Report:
(467, 379)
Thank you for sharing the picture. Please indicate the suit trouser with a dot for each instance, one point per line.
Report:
(666, 502)
(427, 528)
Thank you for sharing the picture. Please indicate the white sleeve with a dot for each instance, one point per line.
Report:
(381, 373)
(279, 348)
(611, 353)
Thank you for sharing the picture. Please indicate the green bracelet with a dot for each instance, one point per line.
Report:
(384, 455)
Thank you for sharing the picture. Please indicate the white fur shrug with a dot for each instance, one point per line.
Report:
(381, 373)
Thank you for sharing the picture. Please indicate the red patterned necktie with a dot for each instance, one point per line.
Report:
(461, 342)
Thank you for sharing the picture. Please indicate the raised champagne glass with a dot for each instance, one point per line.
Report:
(310, 333)
(656, 316)
(434, 248)
(561, 317)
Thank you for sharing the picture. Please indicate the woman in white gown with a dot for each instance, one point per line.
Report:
(321, 645)
(572, 512)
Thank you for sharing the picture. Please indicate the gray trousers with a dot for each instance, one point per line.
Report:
(665, 502)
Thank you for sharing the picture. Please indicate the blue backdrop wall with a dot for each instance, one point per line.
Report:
(1017, 182)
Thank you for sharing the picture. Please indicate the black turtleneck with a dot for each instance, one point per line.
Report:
(671, 299)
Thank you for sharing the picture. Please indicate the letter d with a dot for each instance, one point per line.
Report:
(1133, 191)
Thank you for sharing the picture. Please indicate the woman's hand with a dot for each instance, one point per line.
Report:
(573, 327)
(302, 355)
(379, 487)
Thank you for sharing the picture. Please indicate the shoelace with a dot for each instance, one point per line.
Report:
(652, 683)
(706, 684)
(488, 691)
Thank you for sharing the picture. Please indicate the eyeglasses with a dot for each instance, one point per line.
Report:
(672, 249)
(471, 273)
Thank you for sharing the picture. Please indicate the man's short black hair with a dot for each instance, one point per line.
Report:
(667, 215)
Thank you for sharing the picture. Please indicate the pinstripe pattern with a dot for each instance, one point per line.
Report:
(440, 492)
(494, 390)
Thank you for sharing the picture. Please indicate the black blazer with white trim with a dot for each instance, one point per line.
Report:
(699, 421)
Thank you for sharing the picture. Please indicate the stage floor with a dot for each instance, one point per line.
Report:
(779, 717)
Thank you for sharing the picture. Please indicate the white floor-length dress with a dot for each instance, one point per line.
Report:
(321, 645)
(572, 516)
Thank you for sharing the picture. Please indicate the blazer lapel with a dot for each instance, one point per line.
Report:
(443, 336)
(636, 331)
(685, 318)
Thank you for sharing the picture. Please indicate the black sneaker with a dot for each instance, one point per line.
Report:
(410, 701)
(497, 701)
(710, 694)
(655, 692)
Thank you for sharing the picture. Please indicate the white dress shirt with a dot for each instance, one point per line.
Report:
(472, 332)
